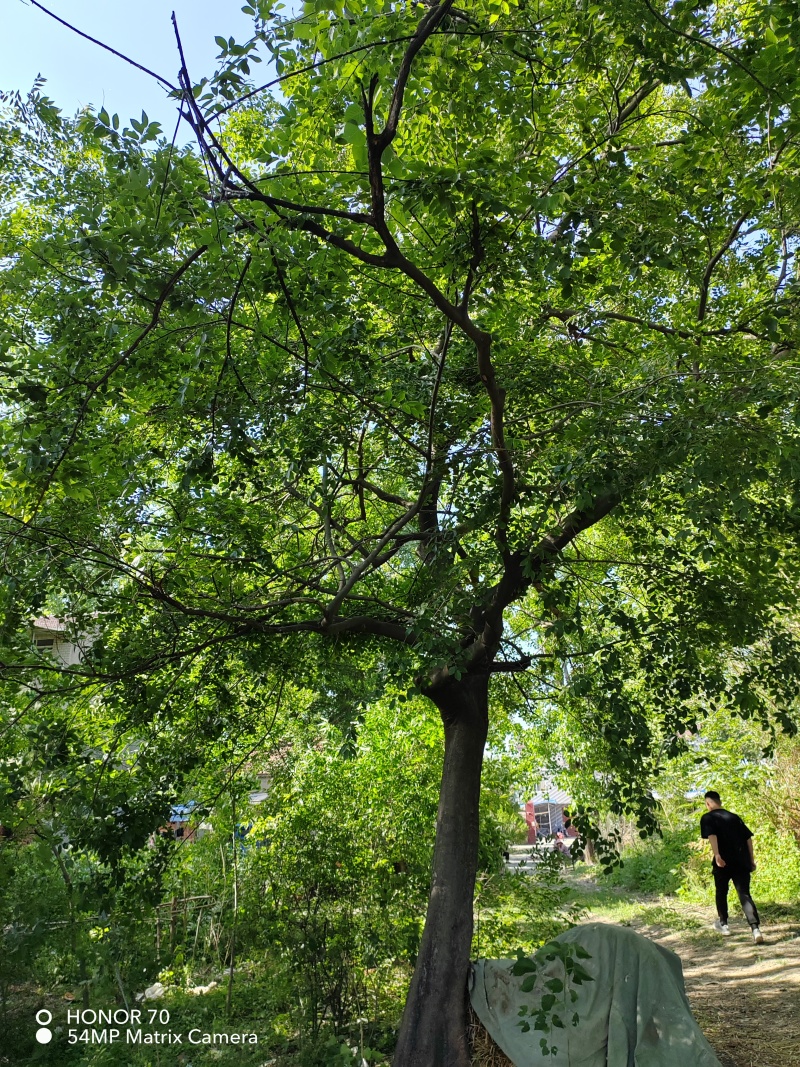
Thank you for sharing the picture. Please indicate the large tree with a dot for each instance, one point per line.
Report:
(356, 376)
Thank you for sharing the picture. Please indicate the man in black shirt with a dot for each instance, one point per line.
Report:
(732, 845)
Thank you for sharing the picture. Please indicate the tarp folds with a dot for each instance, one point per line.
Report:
(634, 1014)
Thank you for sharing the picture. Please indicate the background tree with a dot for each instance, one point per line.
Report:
(351, 383)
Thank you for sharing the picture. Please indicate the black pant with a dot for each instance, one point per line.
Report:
(723, 876)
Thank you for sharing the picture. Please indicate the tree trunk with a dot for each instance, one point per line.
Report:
(433, 1032)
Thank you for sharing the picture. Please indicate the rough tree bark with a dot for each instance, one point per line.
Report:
(433, 1032)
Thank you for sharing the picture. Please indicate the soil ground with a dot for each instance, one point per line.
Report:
(746, 997)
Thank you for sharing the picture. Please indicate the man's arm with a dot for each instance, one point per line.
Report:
(752, 854)
(712, 840)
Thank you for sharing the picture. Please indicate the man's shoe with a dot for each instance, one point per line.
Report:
(722, 928)
(758, 937)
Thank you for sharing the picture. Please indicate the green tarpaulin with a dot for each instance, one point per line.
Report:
(634, 1014)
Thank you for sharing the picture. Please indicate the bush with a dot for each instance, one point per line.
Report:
(655, 865)
(776, 879)
(317, 896)
(518, 909)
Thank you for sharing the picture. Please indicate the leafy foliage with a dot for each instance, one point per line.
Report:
(469, 353)
(556, 994)
(521, 910)
(656, 865)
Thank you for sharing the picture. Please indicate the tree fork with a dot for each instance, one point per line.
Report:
(433, 1032)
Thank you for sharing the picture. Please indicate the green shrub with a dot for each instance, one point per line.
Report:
(776, 879)
(518, 909)
(655, 865)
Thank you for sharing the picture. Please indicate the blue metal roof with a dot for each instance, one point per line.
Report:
(552, 796)
(182, 812)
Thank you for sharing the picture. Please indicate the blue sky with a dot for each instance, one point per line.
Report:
(78, 73)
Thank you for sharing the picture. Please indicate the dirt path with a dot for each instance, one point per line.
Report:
(746, 997)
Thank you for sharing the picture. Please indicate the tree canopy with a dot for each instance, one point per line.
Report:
(466, 346)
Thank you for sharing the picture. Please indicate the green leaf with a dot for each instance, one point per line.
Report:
(353, 134)
(305, 31)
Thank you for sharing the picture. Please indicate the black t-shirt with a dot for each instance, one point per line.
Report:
(732, 836)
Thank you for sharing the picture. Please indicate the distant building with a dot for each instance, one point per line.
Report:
(50, 636)
(256, 796)
(183, 825)
(548, 813)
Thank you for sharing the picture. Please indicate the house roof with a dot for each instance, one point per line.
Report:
(49, 622)
(182, 812)
(551, 795)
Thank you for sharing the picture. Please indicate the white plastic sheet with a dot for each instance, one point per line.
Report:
(633, 1014)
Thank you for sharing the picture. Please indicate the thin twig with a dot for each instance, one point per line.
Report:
(96, 385)
(108, 48)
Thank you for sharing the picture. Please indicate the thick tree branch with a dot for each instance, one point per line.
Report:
(393, 259)
(295, 316)
(366, 625)
(630, 105)
(338, 560)
(372, 259)
(432, 483)
(512, 666)
(557, 539)
(497, 400)
(524, 569)
(478, 253)
(425, 29)
(228, 330)
(213, 151)
(712, 263)
(360, 569)
(253, 193)
(362, 483)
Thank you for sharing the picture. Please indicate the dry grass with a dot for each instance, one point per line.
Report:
(485, 1053)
